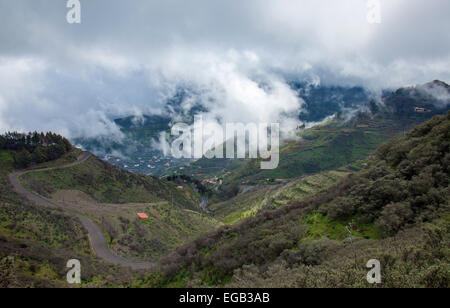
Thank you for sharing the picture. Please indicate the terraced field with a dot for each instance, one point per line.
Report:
(256, 198)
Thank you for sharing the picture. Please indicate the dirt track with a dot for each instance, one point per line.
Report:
(96, 236)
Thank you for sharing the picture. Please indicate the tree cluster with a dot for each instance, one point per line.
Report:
(34, 148)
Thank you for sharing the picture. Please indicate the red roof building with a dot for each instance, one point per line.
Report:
(142, 216)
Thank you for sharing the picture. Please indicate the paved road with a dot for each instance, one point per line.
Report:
(96, 236)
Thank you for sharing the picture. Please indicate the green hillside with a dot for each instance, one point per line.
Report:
(112, 197)
(36, 243)
(108, 184)
(315, 225)
(396, 210)
(338, 142)
(324, 147)
(263, 197)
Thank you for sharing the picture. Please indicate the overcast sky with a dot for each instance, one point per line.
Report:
(126, 57)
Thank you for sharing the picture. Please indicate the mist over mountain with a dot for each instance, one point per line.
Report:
(354, 94)
(77, 79)
(144, 148)
(315, 103)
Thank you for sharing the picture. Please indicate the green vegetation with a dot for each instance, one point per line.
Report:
(281, 230)
(36, 243)
(22, 221)
(182, 179)
(242, 206)
(108, 184)
(304, 187)
(335, 143)
(320, 226)
(7, 160)
(396, 210)
(112, 197)
(263, 197)
(34, 148)
(406, 182)
(167, 227)
(325, 147)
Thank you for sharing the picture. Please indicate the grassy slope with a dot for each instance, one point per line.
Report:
(396, 211)
(328, 146)
(273, 196)
(322, 148)
(106, 183)
(114, 196)
(36, 243)
(6, 160)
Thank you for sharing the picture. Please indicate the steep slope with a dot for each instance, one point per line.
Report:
(108, 184)
(418, 102)
(254, 199)
(323, 101)
(112, 198)
(396, 210)
(96, 236)
(395, 113)
(337, 142)
(37, 242)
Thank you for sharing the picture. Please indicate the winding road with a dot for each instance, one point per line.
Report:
(96, 235)
(204, 203)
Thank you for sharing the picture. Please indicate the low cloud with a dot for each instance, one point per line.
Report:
(439, 92)
(128, 58)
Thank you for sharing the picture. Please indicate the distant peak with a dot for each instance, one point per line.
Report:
(437, 83)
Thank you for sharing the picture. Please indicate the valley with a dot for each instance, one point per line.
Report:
(224, 152)
(112, 198)
(395, 209)
(345, 190)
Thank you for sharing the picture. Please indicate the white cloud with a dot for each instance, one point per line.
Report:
(126, 57)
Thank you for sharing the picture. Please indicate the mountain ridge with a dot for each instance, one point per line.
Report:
(398, 196)
(403, 192)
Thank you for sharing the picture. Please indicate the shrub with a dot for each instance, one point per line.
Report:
(394, 216)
